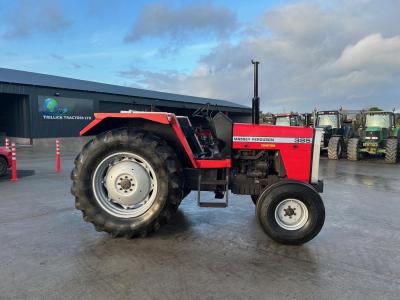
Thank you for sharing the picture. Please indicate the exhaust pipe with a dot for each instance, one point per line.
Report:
(255, 115)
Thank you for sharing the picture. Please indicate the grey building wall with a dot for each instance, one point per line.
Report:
(22, 112)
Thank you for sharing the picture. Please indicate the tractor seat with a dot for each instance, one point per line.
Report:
(223, 127)
(191, 137)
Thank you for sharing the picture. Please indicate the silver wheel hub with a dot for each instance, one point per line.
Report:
(128, 183)
(291, 214)
(124, 184)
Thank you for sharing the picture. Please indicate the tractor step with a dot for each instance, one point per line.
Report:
(213, 204)
(220, 182)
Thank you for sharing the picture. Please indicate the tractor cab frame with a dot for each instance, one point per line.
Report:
(289, 119)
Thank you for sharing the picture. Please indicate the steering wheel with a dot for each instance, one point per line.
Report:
(202, 111)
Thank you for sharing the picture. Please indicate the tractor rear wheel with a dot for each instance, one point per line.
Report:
(335, 147)
(352, 149)
(127, 182)
(392, 151)
(291, 212)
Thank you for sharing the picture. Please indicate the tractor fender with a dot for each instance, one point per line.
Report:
(317, 188)
(164, 125)
(102, 120)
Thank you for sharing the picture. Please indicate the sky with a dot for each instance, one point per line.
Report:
(312, 53)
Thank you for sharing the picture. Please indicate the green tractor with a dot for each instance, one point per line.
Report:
(377, 136)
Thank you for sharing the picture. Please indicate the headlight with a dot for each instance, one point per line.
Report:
(371, 137)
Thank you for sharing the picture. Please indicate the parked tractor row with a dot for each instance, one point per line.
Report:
(371, 133)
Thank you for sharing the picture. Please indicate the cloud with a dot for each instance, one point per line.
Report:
(31, 16)
(180, 24)
(141, 78)
(374, 52)
(57, 56)
(312, 55)
(69, 62)
(10, 53)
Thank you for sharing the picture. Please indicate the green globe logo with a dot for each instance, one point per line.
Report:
(50, 104)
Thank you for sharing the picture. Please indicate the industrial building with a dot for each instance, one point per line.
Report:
(36, 105)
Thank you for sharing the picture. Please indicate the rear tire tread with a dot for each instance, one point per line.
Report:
(156, 148)
(392, 151)
(333, 147)
(352, 149)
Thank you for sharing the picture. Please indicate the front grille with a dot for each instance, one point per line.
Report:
(372, 135)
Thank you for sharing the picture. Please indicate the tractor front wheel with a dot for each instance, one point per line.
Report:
(335, 147)
(352, 149)
(291, 212)
(392, 151)
(127, 182)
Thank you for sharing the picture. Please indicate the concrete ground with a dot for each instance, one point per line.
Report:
(48, 251)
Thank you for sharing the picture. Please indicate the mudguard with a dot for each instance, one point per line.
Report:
(107, 121)
(90, 129)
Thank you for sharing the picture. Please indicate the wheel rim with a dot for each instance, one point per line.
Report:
(291, 214)
(124, 184)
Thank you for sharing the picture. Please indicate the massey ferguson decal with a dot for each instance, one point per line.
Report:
(279, 140)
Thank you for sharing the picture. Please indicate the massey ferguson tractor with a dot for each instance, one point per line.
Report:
(131, 177)
(378, 137)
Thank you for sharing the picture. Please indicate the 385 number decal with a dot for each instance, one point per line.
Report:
(272, 139)
(303, 140)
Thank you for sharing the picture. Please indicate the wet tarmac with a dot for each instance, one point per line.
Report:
(48, 251)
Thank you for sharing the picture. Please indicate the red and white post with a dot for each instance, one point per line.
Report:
(13, 163)
(58, 156)
(7, 143)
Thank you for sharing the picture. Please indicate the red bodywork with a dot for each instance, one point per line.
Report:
(293, 143)
(5, 152)
(163, 118)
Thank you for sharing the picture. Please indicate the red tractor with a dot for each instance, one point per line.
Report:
(130, 179)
